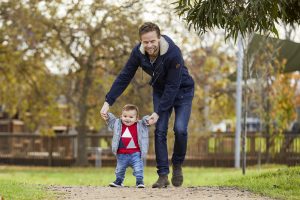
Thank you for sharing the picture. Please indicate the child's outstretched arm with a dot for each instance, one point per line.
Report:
(145, 120)
(144, 131)
(111, 121)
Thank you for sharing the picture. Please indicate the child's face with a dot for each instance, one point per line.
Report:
(129, 117)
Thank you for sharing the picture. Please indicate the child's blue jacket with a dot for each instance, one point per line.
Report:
(115, 125)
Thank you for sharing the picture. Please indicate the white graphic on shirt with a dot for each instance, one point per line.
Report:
(127, 134)
(131, 145)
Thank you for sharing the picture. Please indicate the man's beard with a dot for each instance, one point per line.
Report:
(153, 50)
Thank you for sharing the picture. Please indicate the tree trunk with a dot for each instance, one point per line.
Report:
(83, 110)
(81, 149)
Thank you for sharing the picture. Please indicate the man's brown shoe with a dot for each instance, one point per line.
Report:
(161, 182)
(177, 177)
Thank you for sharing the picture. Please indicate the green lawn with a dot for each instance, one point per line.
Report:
(10, 189)
(274, 181)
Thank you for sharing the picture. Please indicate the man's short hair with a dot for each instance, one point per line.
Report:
(149, 27)
(129, 107)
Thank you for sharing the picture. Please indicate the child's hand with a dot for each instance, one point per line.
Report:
(152, 119)
(104, 111)
(150, 122)
(104, 116)
(147, 122)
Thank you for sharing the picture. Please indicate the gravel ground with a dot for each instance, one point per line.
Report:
(170, 193)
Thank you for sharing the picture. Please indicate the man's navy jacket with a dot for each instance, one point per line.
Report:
(170, 77)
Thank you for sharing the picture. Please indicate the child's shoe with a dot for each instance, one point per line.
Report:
(116, 183)
(140, 184)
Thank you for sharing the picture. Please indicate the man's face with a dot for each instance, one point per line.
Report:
(150, 42)
(129, 117)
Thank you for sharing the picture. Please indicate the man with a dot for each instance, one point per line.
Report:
(173, 88)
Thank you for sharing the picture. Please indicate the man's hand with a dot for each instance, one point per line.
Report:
(104, 111)
(153, 118)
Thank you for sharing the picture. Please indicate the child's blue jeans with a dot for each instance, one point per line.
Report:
(130, 160)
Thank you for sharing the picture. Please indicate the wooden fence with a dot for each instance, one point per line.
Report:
(214, 149)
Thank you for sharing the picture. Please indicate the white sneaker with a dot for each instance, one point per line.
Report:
(140, 185)
(115, 184)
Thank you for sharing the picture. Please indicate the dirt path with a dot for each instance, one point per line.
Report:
(170, 193)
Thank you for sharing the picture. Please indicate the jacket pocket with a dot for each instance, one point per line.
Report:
(184, 93)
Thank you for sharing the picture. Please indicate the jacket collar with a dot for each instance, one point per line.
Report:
(163, 46)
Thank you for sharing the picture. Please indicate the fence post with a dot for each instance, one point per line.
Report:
(50, 150)
(98, 161)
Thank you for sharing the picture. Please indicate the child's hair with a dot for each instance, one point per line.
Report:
(129, 107)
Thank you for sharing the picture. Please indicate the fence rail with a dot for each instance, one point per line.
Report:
(214, 149)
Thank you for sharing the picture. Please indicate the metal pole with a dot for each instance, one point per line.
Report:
(238, 103)
(244, 141)
(206, 108)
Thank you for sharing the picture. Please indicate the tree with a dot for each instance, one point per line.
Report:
(26, 86)
(270, 96)
(90, 39)
(238, 16)
(214, 100)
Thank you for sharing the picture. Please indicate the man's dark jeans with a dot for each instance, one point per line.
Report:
(182, 107)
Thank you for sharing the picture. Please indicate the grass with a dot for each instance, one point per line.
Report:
(23, 191)
(274, 181)
(282, 183)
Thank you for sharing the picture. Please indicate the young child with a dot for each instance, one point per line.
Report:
(130, 143)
